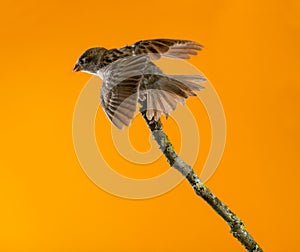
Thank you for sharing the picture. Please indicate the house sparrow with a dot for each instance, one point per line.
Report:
(130, 76)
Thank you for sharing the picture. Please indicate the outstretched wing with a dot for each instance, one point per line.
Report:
(119, 92)
(172, 48)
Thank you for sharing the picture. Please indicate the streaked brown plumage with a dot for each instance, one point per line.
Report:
(130, 76)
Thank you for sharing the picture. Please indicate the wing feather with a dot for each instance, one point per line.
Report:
(119, 92)
(172, 48)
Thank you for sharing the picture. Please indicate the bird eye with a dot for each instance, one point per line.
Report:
(81, 61)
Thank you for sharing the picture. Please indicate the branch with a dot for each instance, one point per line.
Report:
(237, 227)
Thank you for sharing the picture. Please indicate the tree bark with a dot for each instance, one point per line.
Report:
(237, 227)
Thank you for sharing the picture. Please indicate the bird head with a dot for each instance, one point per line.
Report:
(89, 61)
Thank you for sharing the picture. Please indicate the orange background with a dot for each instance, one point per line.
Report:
(251, 56)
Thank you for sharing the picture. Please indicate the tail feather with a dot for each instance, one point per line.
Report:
(167, 91)
(190, 81)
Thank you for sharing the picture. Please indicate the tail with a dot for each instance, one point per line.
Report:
(165, 93)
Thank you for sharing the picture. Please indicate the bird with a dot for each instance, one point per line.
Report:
(130, 76)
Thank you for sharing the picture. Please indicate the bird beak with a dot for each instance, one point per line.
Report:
(77, 68)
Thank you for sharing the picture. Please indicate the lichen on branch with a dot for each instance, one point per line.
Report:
(237, 227)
